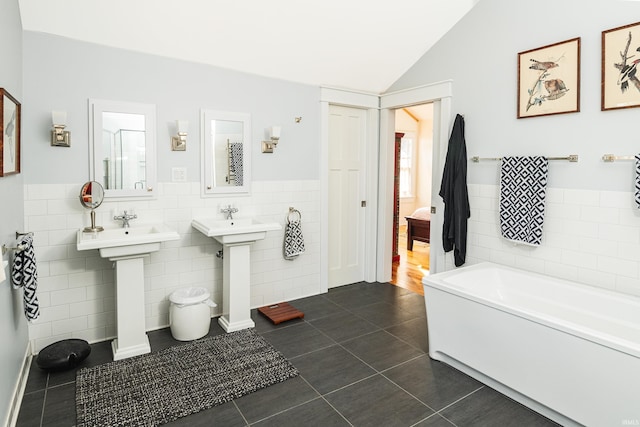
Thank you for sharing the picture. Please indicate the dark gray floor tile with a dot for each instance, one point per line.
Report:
(412, 303)
(274, 399)
(315, 413)
(434, 420)
(100, 353)
(433, 382)
(384, 314)
(37, 379)
(344, 326)
(377, 402)
(331, 368)
(381, 350)
(226, 415)
(60, 406)
(317, 307)
(297, 339)
(414, 332)
(354, 298)
(487, 407)
(31, 409)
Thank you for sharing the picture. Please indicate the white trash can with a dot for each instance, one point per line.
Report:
(190, 313)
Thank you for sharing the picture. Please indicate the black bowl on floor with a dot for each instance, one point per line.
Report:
(62, 355)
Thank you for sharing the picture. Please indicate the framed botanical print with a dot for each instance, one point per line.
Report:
(549, 79)
(620, 58)
(9, 134)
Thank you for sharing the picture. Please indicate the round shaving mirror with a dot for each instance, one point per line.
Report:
(91, 196)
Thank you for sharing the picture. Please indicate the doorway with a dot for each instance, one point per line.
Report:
(412, 195)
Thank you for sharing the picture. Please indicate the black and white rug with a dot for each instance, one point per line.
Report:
(157, 388)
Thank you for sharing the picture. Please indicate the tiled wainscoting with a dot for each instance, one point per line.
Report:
(591, 237)
(76, 288)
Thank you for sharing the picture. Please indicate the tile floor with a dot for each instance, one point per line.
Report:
(362, 355)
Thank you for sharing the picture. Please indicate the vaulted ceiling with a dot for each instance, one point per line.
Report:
(364, 45)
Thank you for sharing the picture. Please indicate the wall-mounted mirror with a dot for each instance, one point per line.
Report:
(91, 196)
(226, 153)
(123, 147)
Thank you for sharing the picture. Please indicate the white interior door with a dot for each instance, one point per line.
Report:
(347, 190)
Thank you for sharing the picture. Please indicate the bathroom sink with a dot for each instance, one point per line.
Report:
(136, 240)
(241, 230)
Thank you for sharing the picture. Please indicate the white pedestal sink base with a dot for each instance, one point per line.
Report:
(236, 298)
(130, 324)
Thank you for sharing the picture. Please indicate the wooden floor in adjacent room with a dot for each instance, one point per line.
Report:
(407, 273)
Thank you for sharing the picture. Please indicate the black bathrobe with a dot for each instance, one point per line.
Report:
(453, 191)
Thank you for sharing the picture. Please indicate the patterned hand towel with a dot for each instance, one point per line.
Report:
(236, 162)
(638, 181)
(293, 240)
(523, 184)
(24, 275)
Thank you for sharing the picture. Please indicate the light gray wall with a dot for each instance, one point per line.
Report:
(62, 74)
(13, 326)
(480, 55)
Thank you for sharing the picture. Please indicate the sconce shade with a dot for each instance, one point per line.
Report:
(59, 117)
(275, 132)
(183, 126)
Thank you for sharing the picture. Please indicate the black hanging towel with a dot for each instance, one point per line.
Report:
(455, 196)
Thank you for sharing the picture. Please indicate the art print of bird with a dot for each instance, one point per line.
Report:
(628, 72)
(542, 66)
(556, 88)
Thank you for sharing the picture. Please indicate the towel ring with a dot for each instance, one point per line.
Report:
(293, 211)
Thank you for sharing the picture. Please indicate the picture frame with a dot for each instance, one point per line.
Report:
(549, 79)
(620, 58)
(9, 134)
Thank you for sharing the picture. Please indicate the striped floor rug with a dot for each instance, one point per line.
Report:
(157, 388)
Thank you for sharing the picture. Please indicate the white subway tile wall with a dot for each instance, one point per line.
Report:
(591, 237)
(76, 288)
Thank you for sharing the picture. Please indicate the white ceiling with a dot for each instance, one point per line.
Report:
(363, 45)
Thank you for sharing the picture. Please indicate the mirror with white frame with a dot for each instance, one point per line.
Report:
(226, 153)
(123, 147)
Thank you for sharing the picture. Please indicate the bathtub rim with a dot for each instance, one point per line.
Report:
(438, 281)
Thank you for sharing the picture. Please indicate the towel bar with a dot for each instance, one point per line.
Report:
(571, 158)
(16, 248)
(611, 158)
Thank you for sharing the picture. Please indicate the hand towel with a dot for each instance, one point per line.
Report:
(523, 185)
(637, 180)
(236, 162)
(293, 244)
(24, 275)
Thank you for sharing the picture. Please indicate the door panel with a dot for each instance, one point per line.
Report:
(347, 131)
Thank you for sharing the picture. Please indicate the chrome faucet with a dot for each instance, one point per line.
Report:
(125, 219)
(229, 211)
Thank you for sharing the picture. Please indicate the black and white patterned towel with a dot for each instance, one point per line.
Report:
(24, 274)
(293, 240)
(523, 185)
(236, 162)
(638, 181)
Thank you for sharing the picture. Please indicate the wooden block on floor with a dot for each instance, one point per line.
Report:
(281, 312)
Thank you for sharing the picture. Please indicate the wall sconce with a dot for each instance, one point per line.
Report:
(59, 136)
(179, 142)
(268, 146)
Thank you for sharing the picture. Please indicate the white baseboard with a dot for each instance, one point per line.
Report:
(18, 391)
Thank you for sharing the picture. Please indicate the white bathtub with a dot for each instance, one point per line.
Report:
(568, 351)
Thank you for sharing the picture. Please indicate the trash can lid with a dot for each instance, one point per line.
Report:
(189, 296)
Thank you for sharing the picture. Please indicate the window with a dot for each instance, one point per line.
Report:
(407, 166)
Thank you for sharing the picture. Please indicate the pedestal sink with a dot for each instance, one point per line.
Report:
(127, 247)
(236, 236)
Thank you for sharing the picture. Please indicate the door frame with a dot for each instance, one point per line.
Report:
(370, 103)
(440, 94)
